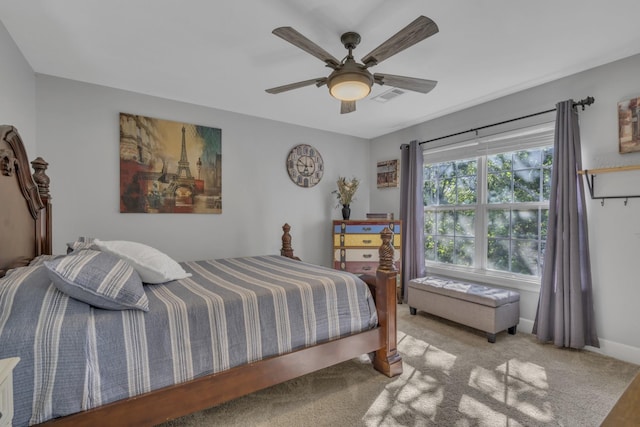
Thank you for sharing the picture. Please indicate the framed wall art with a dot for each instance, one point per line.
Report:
(169, 167)
(388, 174)
(629, 125)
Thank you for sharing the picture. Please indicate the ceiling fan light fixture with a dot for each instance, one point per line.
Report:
(350, 86)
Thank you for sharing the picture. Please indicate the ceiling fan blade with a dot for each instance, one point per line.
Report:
(347, 107)
(416, 31)
(318, 82)
(409, 83)
(297, 39)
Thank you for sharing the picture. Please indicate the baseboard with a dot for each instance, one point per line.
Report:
(609, 348)
(617, 351)
(525, 326)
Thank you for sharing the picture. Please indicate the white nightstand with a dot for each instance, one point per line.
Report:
(6, 390)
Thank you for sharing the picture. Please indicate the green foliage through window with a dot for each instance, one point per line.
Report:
(513, 218)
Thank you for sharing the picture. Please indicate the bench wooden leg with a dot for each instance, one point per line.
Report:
(491, 338)
(413, 310)
(512, 330)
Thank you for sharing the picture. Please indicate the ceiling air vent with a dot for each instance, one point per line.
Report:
(388, 95)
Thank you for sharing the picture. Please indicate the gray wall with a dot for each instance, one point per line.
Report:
(17, 91)
(78, 124)
(614, 228)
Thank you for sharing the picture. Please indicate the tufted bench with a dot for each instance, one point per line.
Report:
(489, 309)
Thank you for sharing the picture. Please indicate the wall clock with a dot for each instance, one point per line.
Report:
(305, 165)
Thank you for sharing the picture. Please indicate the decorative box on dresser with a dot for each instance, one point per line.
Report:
(356, 244)
(6, 390)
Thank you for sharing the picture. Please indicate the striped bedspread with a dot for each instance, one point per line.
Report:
(230, 312)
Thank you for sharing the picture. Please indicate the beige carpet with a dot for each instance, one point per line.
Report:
(452, 377)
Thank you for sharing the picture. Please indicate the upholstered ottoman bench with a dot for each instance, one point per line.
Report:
(488, 309)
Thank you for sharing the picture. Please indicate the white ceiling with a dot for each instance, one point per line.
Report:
(222, 54)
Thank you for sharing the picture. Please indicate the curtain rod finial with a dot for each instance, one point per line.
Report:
(585, 102)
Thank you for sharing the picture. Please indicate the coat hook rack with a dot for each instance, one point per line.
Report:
(590, 176)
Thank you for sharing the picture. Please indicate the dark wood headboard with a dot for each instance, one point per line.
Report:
(25, 207)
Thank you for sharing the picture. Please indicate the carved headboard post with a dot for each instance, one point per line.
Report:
(42, 181)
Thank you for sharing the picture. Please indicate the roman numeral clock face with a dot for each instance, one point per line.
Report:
(305, 165)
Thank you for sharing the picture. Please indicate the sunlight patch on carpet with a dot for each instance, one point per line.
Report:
(518, 385)
(431, 355)
(409, 397)
(481, 415)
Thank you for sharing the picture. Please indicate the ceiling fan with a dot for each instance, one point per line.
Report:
(350, 80)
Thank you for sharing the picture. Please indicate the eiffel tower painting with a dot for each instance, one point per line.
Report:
(155, 171)
(183, 165)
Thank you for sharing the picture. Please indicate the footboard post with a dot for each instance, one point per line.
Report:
(387, 359)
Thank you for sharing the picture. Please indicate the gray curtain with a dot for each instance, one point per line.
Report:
(565, 313)
(411, 213)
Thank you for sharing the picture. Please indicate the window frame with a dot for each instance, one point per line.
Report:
(530, 137)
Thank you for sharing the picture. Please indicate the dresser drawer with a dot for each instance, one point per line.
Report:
(357, 267)
(361, 255)
(364, 228)
(374, 240)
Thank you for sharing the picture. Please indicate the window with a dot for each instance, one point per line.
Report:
(486, 206)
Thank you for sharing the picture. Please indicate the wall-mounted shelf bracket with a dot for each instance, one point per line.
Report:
(590, 177)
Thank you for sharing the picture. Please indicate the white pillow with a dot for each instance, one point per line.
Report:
(152, 265)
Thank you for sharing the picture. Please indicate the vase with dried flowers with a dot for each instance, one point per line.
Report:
(345, 194)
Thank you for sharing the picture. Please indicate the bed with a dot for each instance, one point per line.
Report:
(101, 377)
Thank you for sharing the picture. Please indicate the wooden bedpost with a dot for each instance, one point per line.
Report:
(42, 181)
(387, 359)
(287, 250)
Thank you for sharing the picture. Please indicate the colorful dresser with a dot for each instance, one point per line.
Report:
(356, 243)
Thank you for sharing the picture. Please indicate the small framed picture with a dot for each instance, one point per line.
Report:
(388, 174)
(629, 125)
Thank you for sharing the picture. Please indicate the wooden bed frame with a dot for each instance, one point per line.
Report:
(25, 232)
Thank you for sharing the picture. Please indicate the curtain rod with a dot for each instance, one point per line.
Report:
(582, 103)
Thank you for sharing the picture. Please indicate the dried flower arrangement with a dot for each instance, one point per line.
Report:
(346, 190)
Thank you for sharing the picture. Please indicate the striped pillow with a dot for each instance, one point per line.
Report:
(99, 279)
(82, 242)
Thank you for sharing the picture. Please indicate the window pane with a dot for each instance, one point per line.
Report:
(430, 188)
(429, 248)
(447, 191)
(499, 224)
(467, 190)
(524, 224)
(498, 254)
(467, 167)
(527, 159)
(429, 222)
(524, 259)
(544, 220)
(526, 185)
(499, 187)
(446, 222)
(547, 157)
(499, 162)
(429, 193)
(444, 248)
(464, 251)
(445, 169)
(465, 223)
(546, 185)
